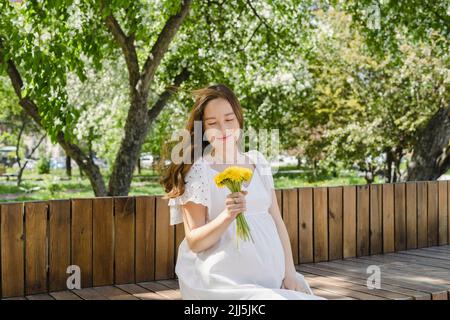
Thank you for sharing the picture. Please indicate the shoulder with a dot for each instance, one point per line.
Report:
(261, 162)
(258, 157)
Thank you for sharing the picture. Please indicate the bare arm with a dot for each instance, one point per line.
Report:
(201, 235)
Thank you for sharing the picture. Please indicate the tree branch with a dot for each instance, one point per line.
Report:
(19, 137)
(126, 43)
(164, 97)
(72, 150)
(162, 44)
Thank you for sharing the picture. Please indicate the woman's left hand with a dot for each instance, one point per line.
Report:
(291, 282)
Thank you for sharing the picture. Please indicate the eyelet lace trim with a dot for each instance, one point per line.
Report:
(196, 190)
(197, 187)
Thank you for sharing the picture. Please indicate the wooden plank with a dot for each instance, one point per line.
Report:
(349, 245)
(103, 241)
(362, 221)
(64, 295)
(305, 221)
(290, 218)
(36, 247)
(376, 219)
(408, 275)
(342, 275)
(420, 274)
(114, 293)
(82, 239)
(338, 288)
(388, 218)
(442, 215)
(145, 238)
(161, 289)
(335, 222)
(444, 248)
(164, 242)
(411, 215)
(346, 268)
(59, 243)
(12, 245)
(89, 294)
(426, 261)
(330, 295)
(433, 230)
(355, 285)
(428, 273)
(422, 214)
(170, 283)
(124, 240)
(390, 276)
(400, 216)
(320, 224)
(40, 296)
(15, 298)
(140, 292)
(430, 254)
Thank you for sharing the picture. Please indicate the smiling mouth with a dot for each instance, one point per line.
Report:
(223, 138)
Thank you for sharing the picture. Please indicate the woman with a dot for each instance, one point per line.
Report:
(209, 264)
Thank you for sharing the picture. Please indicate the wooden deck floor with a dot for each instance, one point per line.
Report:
(420, 274)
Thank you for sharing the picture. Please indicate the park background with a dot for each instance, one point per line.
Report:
(90, 93)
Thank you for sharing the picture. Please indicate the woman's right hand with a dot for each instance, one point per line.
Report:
(235, 203)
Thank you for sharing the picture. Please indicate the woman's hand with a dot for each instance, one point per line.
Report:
(291, 282)
(235, 203)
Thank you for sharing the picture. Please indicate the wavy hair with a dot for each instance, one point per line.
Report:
(173, 176)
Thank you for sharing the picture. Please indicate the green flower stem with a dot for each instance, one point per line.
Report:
(242, 227)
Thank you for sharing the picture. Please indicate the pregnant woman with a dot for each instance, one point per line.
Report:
(209, 265)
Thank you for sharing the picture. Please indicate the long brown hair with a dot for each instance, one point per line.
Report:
(173, 178)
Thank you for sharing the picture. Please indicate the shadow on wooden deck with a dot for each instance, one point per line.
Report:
(419, 274)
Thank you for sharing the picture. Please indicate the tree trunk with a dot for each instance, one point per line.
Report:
(389, 161)
(139, 165)
(431, 155)
(139, 116)
(20, 175)
(136, 129)
(69, 167)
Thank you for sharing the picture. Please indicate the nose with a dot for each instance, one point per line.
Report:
(224, 130)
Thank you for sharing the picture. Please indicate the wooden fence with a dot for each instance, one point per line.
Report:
(128, 239)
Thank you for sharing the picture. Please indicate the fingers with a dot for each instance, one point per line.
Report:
(236, 203)
(237, 194)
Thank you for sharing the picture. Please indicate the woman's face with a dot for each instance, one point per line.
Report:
(221, 125)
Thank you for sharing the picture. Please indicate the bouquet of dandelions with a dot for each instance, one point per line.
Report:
(232, 177)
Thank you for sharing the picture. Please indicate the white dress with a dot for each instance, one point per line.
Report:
(255, 271)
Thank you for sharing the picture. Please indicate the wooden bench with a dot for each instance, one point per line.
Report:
(421, 274)
(126, 248)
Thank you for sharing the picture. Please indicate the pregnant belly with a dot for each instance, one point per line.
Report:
(261, 263)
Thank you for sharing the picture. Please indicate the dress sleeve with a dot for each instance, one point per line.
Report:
(196, 190)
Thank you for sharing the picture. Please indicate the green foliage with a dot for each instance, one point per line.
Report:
(43, 165)
(382, 21)
(305, 67)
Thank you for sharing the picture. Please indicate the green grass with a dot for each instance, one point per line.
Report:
(56, 185)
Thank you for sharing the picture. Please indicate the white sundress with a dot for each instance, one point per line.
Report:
(255, 271)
